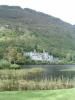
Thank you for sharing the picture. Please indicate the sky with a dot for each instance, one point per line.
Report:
(63, 9)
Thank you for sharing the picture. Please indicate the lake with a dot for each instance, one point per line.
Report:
(55, 71)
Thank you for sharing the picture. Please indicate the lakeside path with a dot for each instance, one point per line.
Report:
(62, 94)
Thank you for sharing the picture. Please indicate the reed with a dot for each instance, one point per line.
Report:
(26, 79)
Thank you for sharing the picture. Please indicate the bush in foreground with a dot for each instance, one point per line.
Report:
(4, 64)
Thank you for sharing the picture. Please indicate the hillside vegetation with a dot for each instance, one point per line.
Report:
(26, 30)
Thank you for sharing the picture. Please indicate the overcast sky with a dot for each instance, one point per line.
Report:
(63, 9)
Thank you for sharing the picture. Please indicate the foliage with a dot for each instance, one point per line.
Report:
(4, 64)
(23, 31)
(15, 66)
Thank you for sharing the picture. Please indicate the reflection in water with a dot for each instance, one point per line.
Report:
(54, 71)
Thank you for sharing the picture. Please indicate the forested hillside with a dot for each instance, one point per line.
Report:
(26, 30)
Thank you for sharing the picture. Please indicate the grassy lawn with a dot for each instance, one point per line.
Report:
(65, 94)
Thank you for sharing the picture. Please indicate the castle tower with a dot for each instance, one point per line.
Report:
(43, 51)
(34, 50)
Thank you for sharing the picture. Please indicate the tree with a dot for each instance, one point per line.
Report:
(11, 55)
(69, 57)
(20, 58)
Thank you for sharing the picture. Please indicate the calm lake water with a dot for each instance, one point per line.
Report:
(55, 71)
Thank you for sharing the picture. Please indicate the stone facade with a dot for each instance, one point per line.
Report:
(37, 56)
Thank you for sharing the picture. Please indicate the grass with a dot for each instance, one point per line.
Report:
(64, 94)
(19, 73)
(31, 79)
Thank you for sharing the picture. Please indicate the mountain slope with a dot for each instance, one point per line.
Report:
(27, 29)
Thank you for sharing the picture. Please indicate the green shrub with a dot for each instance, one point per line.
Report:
(4, 64)
(14, 66)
